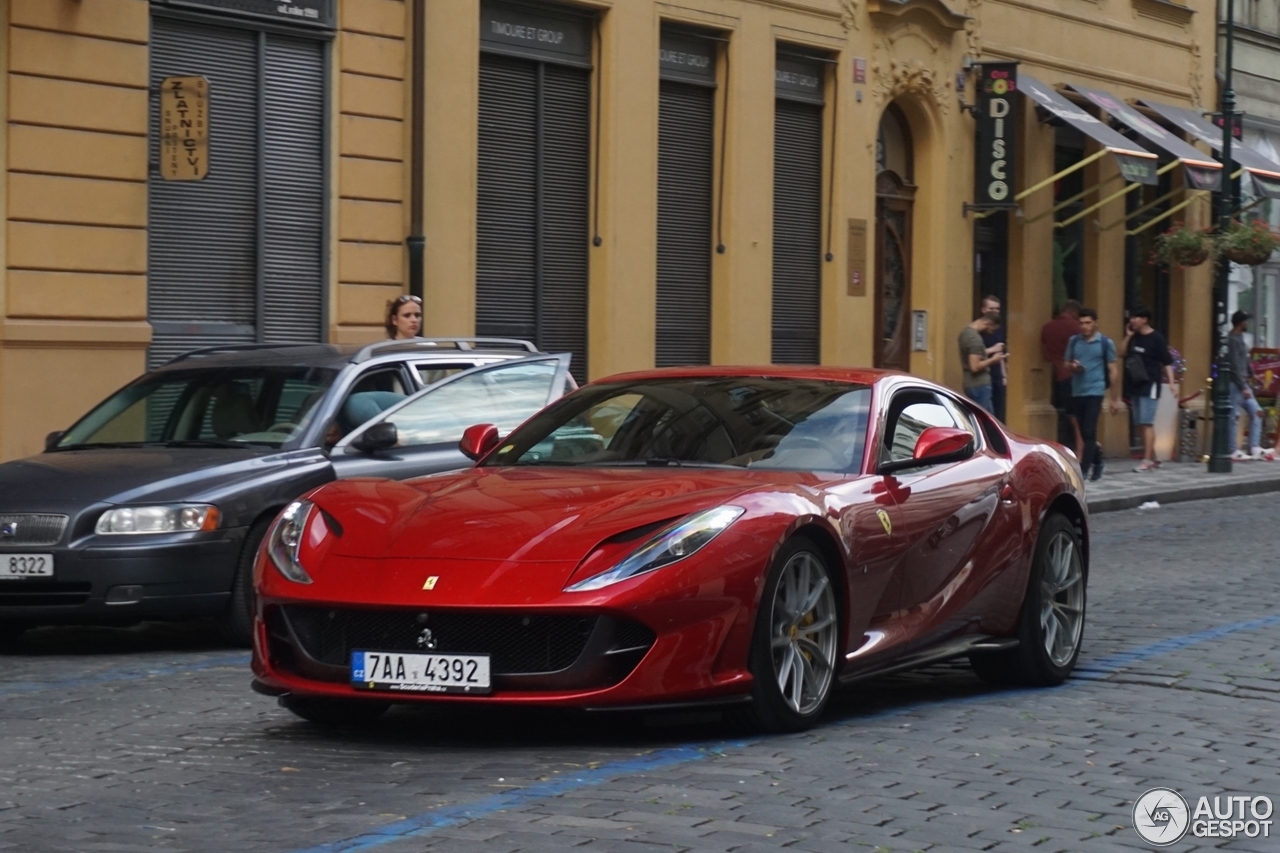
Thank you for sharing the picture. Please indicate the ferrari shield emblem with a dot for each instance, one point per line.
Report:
(885, 521)
(431, 582)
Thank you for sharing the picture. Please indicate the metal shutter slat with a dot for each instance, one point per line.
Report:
(293, 174)
(686, 132)
(797, 232)
(201, 240)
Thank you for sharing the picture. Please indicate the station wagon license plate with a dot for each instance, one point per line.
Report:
(15, 566)
(416, 673)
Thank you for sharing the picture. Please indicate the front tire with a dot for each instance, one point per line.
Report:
(1051, 625)
(325, 711)
(796, 642)
(236, 623)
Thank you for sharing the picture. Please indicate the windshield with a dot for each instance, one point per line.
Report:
(232, 407)
(779, 424)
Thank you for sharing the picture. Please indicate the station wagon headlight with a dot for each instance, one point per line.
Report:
(157, 519)
(285, 540)
(671, 545)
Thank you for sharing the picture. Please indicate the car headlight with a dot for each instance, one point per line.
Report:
(157, 519)
(285, 540)
(671, 545)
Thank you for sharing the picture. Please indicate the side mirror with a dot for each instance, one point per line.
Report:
(935, 446)
(51, 440)
(478, 440)
(381, 436)
(942, 444)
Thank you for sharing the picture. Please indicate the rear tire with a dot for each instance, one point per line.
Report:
(236, 623)
(795, 646)
(1051, 625)
(324, 711)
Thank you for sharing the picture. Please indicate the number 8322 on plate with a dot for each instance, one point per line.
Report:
(414, 673)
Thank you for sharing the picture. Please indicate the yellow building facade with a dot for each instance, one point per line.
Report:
(785, 178)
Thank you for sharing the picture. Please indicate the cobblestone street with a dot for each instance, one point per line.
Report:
(150, 739)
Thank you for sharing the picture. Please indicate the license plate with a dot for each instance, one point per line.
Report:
(415, 673)
(13, 566)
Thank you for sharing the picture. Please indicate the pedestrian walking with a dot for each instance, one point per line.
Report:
(1242, 398)
(975, 361)
(404, 317)
(995, 341)
(1053, 346)
(1091, 356)
(1148, 364)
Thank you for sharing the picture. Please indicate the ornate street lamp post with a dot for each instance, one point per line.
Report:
(1228, 203)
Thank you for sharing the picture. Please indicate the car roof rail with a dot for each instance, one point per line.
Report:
(430, 344)
(195, 353)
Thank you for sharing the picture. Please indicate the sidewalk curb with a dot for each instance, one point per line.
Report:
(1174, 494)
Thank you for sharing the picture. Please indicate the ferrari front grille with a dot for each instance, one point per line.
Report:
(517, 644)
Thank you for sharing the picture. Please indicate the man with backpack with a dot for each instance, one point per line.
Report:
(1147, 365)
(1091, 356)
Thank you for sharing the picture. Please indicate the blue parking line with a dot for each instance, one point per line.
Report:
(447, 816)
(19, 688)
(455, 815)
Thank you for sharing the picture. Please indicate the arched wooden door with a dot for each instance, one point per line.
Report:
(894, 198)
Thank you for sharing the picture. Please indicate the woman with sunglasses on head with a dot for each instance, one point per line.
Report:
(404, 317)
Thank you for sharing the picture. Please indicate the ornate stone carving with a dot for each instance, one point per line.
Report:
(893, 77)
(849, 15)
(973, 29)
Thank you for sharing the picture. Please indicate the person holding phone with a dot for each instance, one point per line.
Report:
(975, 361)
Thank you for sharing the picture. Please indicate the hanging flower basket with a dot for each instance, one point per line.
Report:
(1249, 244)
(1184, 247)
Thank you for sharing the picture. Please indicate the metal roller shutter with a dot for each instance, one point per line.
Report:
(202, 235)
(566, 153)
(797, 232)
(293, 189)
(531, 265)
(507, 235)
(686, 134)
(238, 256)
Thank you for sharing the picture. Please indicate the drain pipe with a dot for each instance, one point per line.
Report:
(416, 241)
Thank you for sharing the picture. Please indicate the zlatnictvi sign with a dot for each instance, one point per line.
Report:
(997, 86)
(184, 128)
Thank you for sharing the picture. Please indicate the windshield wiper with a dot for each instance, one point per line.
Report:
(214, 442)
(94, 445)
(664, 462)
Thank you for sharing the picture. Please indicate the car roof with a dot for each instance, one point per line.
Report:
(338, 356)
(855, 375)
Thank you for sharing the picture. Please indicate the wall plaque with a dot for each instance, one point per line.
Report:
(299, 11)
(857, 257)
(184, 128)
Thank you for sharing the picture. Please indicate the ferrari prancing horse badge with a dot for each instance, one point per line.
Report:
(431, 582)
(885, 521)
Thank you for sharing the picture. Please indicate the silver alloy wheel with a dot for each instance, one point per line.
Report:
(1061, 599)
(803, 634)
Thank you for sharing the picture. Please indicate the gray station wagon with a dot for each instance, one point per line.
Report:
(153, 504)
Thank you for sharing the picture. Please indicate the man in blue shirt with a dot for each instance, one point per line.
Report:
(1091, 356)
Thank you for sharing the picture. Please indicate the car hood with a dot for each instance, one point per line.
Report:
(524, 514)
(69, 479)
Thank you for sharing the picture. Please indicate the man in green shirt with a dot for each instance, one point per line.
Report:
(975, 361)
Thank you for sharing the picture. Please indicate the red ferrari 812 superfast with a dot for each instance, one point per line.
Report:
(684, 537)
